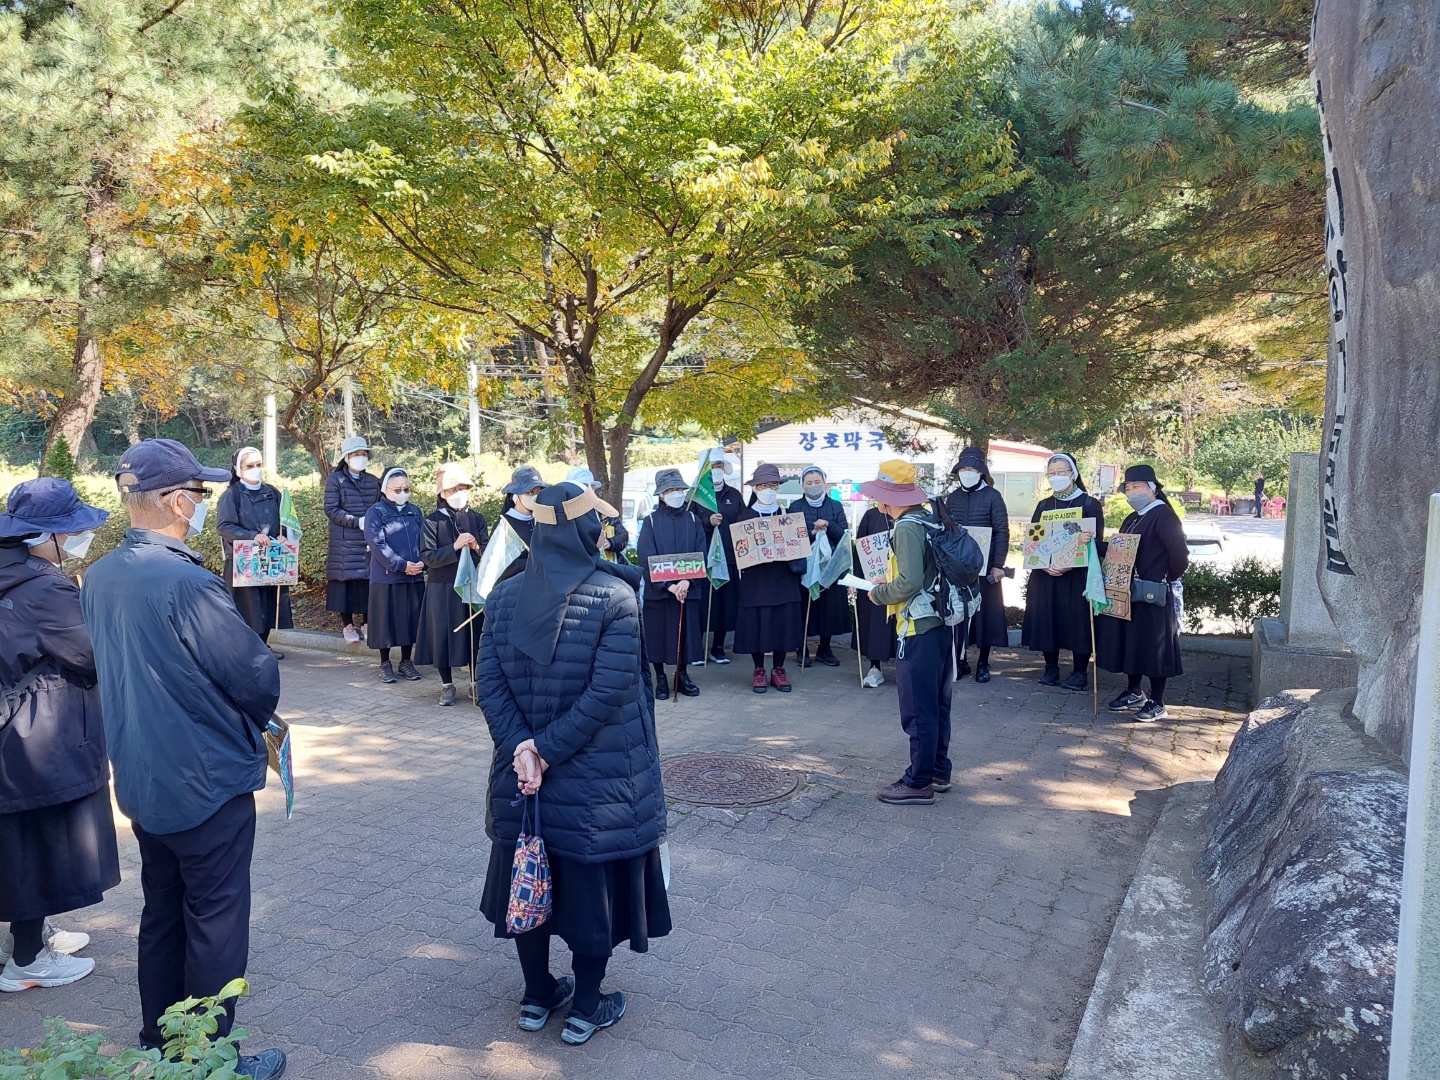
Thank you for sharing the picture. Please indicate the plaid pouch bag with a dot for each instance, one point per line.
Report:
(530, 897)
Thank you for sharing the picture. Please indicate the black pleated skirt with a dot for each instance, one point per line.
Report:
(57, 858)
(664, 641)
(988, 628)
(1057, 615)
(770, 629)
(877, 630)
(347, 597)
(723, 607)
(1148, 644)
(597, 906)
(394, 613)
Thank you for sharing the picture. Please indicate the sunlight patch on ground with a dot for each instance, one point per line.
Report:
(432, 1061)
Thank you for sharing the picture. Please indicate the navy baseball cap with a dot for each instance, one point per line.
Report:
(156, 464)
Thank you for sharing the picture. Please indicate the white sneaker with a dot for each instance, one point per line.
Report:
(60, 941)
(49, 969)
(64, 941)
(873, 678)
(352, 636)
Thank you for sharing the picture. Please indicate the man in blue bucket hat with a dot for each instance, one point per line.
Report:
(188, 689)
(57, 834)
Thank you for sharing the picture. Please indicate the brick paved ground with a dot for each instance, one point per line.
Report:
(827, 936)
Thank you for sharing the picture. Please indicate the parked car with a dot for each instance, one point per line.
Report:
(1206, 542)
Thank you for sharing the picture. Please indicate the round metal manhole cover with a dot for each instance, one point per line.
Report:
(727, 780)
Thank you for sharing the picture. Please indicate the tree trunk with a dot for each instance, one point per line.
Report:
(77, 408)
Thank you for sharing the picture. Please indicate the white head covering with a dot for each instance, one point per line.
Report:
(394, 470)
(1070, 461)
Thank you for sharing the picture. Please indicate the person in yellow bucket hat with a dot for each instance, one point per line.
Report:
(924, 654)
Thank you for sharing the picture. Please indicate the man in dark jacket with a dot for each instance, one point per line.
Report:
(187, 690)
(349, 492)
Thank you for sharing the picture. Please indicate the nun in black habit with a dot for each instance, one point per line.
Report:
(449, 528)
(518, 514)
(1148, 643)
(723, 602)
(249, 509)
(1057, 615)
(976, 503)
(772, 609)
(877, 629)
(674, 611)
(824, 516)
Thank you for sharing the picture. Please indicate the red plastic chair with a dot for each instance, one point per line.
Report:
(1274, 508)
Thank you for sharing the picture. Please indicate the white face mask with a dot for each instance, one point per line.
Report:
(399, 498)
(458, 500)
(196, 521)
(1060, 483)
(969, 478)
(674, 499)
(525, 504)
(43, 538)
(76, 546)
(252, 475)
(766, 496)
(357, 462)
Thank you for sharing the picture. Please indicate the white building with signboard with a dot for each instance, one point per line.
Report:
(850, 445)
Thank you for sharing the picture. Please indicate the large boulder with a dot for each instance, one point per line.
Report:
(1303, 860)
(1377, 79)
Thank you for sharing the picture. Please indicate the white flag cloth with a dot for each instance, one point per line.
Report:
(504, 548)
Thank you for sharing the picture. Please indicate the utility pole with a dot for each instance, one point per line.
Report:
(348, 392)
(473, 401)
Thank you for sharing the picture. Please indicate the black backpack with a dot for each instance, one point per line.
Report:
(958, 562)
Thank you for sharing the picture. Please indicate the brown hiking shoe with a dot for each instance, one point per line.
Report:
(902, 794)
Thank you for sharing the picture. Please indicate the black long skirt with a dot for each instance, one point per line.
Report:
(1057, 615)
(877, 630)
(394, 614)
(662, 629)
(256, 604)
(830, 613)
(57, 858)
(770, 629)
(1148, 644)
(438, 643)
(597, 906)
(989, 629)
(347, 597)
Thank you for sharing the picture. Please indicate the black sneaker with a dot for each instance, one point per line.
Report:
(266, 1065)
(407, 669)
(1127, 702)
(1078, 682)
(579, 1029)
(447, 694)
(387, 673)
(1153, 710)
(717, 656)
(535, 1015)
(1051, 677)
(828, 658)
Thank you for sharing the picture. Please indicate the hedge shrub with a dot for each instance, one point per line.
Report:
(1234, 597)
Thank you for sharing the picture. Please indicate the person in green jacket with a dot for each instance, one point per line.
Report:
(924, 654)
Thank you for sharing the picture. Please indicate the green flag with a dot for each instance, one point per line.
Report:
(703, 492)
(288, 521)
(716, 568)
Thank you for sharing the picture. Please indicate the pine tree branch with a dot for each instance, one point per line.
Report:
(156, 20)
(1138, 105)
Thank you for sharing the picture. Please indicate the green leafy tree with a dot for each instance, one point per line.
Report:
(1245, 448)
(635, 187)
(89, 90)
(60, 461)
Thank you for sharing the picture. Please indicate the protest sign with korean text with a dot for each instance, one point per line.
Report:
(776, 538)
(1118, 567)
(685, 567)
(274, 562)
(1054, 541)
(874, 555)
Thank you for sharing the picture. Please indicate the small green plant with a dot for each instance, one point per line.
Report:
(60, 461)
(1235, 597)
(192, 1049)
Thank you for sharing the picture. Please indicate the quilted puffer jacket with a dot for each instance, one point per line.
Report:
(346, 500)
(602, 797)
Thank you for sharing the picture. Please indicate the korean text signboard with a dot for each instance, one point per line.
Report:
(1118, 567)
(1054, 540)
(677, 567)
(776, 538)
(276, 562)
(874, 555)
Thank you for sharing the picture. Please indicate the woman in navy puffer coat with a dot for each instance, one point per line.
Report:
(563, 684)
